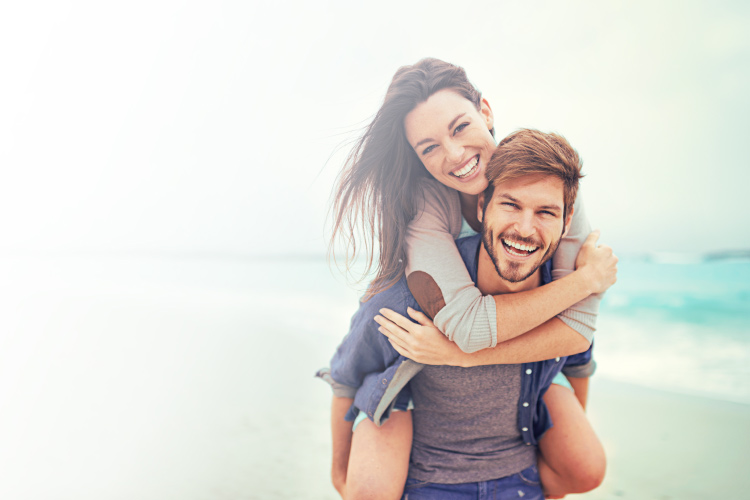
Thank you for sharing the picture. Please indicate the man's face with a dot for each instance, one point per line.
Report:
(523, 224)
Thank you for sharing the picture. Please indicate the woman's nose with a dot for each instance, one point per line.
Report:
(454, 152)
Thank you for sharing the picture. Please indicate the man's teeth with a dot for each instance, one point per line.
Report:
(519, 246)
(466, 170)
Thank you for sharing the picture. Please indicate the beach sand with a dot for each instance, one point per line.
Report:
(160, 390)
(662, 445)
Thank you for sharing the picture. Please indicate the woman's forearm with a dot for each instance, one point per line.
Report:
(551, 339)
(518, 313)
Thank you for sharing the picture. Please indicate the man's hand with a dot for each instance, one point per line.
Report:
(598, 262)
(421, 342)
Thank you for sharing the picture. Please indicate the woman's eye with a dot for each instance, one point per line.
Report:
(429, 149)
(460, 128)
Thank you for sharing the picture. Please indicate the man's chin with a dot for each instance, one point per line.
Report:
(512, 272)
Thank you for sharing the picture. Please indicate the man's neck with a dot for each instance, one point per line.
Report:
(490, 283)
(469, 210)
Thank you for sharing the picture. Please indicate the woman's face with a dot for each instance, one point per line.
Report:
(452, 138)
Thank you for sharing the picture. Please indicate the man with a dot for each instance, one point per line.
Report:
(474, 428)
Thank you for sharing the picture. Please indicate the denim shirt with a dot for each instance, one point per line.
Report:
(368, 369)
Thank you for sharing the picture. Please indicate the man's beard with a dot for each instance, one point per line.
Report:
(513, 273)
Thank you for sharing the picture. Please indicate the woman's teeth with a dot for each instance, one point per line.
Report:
(524, 249)
(467, 169)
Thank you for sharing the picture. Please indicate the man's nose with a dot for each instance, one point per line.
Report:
(525, 224)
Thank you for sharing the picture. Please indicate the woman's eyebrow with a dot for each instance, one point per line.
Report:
(450, 126)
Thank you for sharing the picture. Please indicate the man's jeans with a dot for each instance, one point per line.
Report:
(524, 485)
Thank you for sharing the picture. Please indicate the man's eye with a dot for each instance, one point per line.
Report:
(510, 205)
(460, 128)
(547, 212)
(429, 149)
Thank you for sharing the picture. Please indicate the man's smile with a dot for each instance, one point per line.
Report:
(517, 249)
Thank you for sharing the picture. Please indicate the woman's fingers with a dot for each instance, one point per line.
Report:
(419, 317)
(400, 347)
(390, 326)
(393, 331)
(400, 320)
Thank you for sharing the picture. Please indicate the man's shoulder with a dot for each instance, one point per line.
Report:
(468, 247)
(394, 297)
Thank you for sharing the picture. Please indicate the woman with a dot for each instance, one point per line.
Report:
(385, 185)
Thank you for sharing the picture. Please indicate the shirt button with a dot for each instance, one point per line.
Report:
(525, 429)
(557, 360)
(528, 371)
(525, 405)
(528, 444)
(385, 381)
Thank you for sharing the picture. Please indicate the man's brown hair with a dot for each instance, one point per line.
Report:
(530, 152)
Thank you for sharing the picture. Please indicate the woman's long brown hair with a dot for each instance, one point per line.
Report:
(377, 193)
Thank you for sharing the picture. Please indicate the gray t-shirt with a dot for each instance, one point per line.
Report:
(466, 424)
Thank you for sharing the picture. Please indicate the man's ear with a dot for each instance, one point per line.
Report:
(480, 206)
(486, 111)
(568, 219)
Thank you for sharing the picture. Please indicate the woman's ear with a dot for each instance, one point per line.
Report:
(486, 111)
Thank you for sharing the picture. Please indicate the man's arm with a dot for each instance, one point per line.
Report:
(341, 433)
(580, 388)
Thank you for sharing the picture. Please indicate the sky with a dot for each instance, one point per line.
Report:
(220, 127)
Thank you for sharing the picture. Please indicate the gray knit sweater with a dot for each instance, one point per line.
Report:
(468, 318)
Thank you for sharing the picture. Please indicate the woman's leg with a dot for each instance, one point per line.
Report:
(571, 457)
(379, 458)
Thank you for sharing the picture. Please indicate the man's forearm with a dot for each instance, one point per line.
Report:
(549, 340)
(581, 389)
(341, 434)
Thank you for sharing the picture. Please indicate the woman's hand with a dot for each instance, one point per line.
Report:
(598, 262)
(421, 342)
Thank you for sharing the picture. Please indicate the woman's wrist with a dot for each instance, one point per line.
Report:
(587, 279)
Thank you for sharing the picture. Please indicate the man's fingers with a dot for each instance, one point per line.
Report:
(592, 238)
(401, 321)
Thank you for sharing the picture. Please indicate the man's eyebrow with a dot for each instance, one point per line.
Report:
(506, 195)
(450, 126)
(550, 207)
(543, 207)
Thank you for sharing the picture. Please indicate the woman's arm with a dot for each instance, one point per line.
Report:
(440, 283)
(425, 344)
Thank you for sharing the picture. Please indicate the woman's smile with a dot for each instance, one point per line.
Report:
(468, 169)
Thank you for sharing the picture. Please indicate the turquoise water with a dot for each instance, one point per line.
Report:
(678, 327)
(711, 294)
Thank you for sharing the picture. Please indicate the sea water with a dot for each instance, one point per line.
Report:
(682, 327)
(163, 376)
